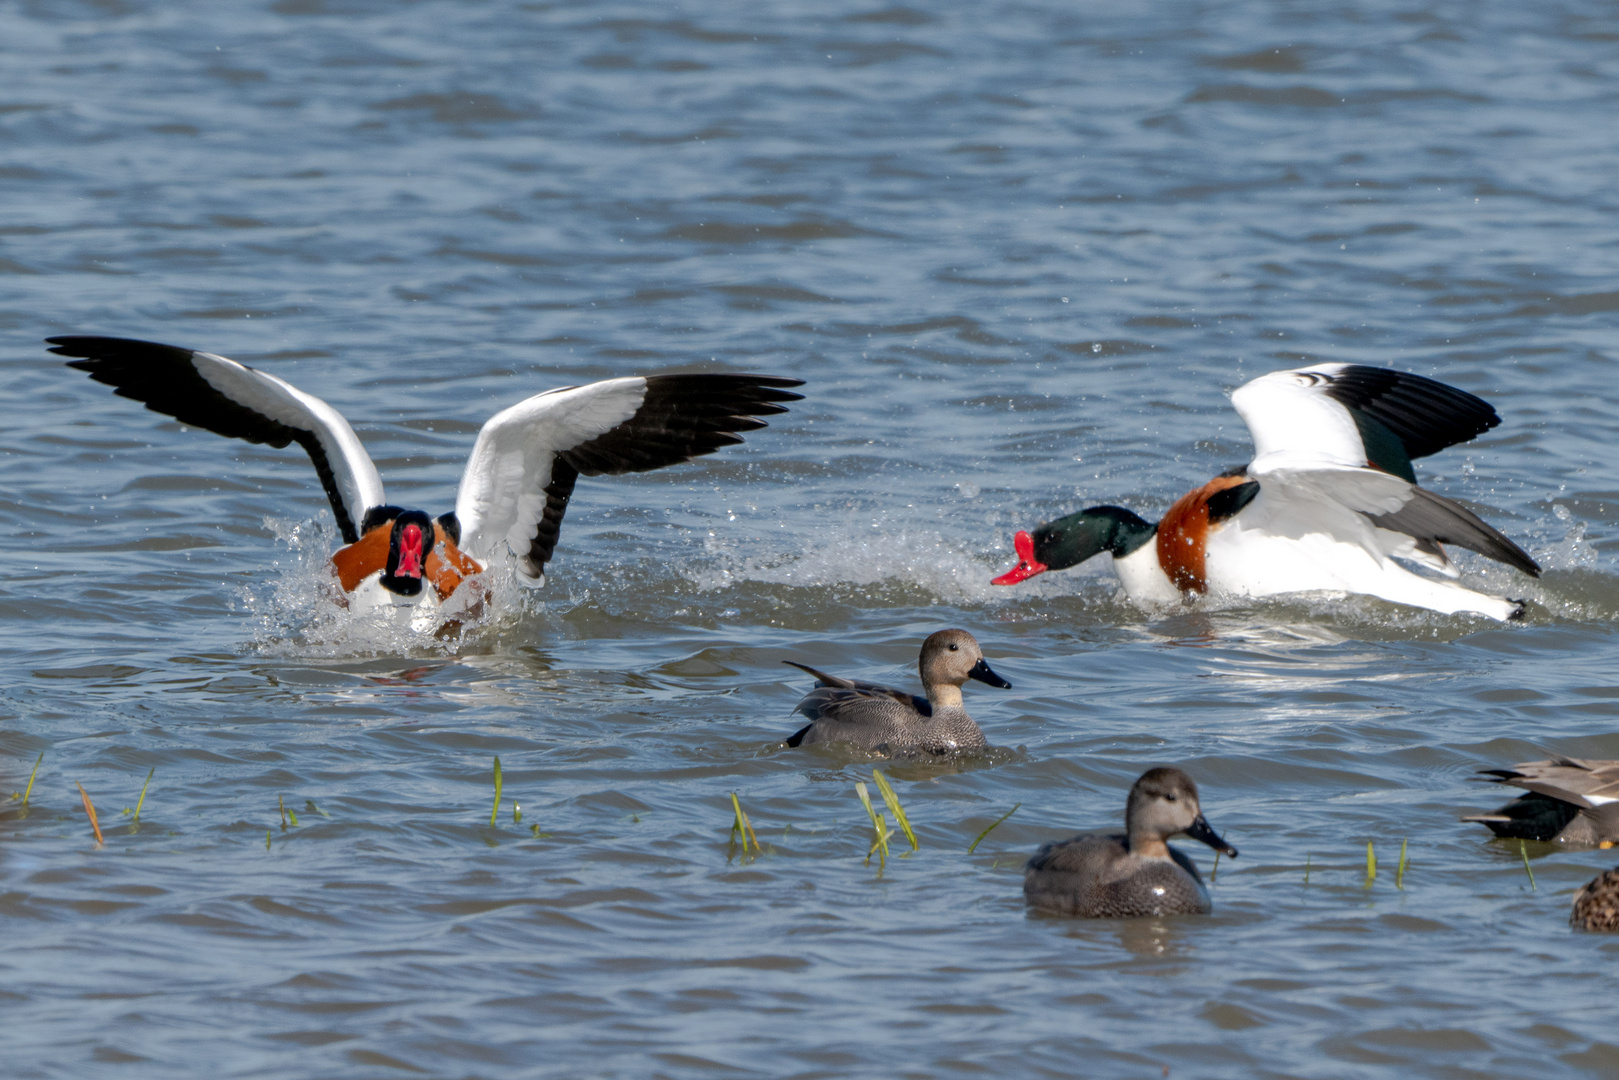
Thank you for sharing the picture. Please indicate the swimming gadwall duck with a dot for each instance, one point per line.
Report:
(1570, 800)
(1329, 503)
(1101, 876)
(1596, 905)
(875, 717)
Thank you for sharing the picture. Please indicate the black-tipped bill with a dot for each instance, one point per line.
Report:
(1200, 830)
(983, 674)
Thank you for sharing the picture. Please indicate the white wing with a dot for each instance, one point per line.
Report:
(227, 398)
(502, 498)
(523, 467)
(1350, 414)
(1295, 423)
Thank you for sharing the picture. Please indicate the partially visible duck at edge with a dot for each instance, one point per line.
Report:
(1328, 504)
(1569, 801)
(517, 481)
(1136, 873)
(874, 717)
(1596, 905)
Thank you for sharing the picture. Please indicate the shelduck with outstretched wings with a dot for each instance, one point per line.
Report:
(1329, 503)
(517, 482)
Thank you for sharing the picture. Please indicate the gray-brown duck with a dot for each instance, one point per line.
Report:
(875, 717)
(1123, 876)
(1596, 905)
(1570, 801)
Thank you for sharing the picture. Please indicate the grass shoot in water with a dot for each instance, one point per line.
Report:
(878, 823)
(1371, 865)
(281, 802)
(1214, 874)
(741, 826)
(1523, 850)
(894, 807)
(90, 811)
(142, 800)
(1399, 871)
(495, 809)
(992, 825)
(29, 790)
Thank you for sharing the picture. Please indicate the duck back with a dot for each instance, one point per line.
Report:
(1096, 876)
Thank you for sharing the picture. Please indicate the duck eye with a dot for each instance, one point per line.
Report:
(1169, 798)
(953, 648)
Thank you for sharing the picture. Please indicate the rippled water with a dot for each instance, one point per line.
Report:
(1019, 253)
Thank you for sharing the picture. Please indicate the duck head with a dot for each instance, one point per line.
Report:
(408, 545)
(1163, 803)
(951, 657)
(1069, 541)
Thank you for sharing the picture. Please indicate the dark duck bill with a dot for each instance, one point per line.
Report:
(1200, 831)
(983, 673)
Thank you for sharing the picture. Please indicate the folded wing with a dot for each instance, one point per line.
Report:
(1410, 521)
(527, 459)
(231, 399)
(1572, 780)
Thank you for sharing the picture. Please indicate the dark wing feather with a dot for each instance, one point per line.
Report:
(1433, 518)
(165, 379)
(557, 494)
(682, 417)
(1424, 414)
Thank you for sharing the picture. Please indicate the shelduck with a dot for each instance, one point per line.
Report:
(517, 482)
(874, 717)
(1329, 503)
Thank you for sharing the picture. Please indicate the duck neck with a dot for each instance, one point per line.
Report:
(944, 696)
(1148, 846)
(1071, 540)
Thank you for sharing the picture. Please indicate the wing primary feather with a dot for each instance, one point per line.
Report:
(1431, 517)
(557, 494)
(167, 380)
(682, 417)
(1424, 414)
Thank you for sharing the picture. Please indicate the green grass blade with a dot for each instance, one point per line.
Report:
(281, 804)
(1523, 849)
(1371, 864)
(29, 790)
(894, 807)
(266, 839)
(991, 828)
(743, 827)
(1214, 874)
(493, 810)
(142, 799)
(1399, 872)
(877, 823)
